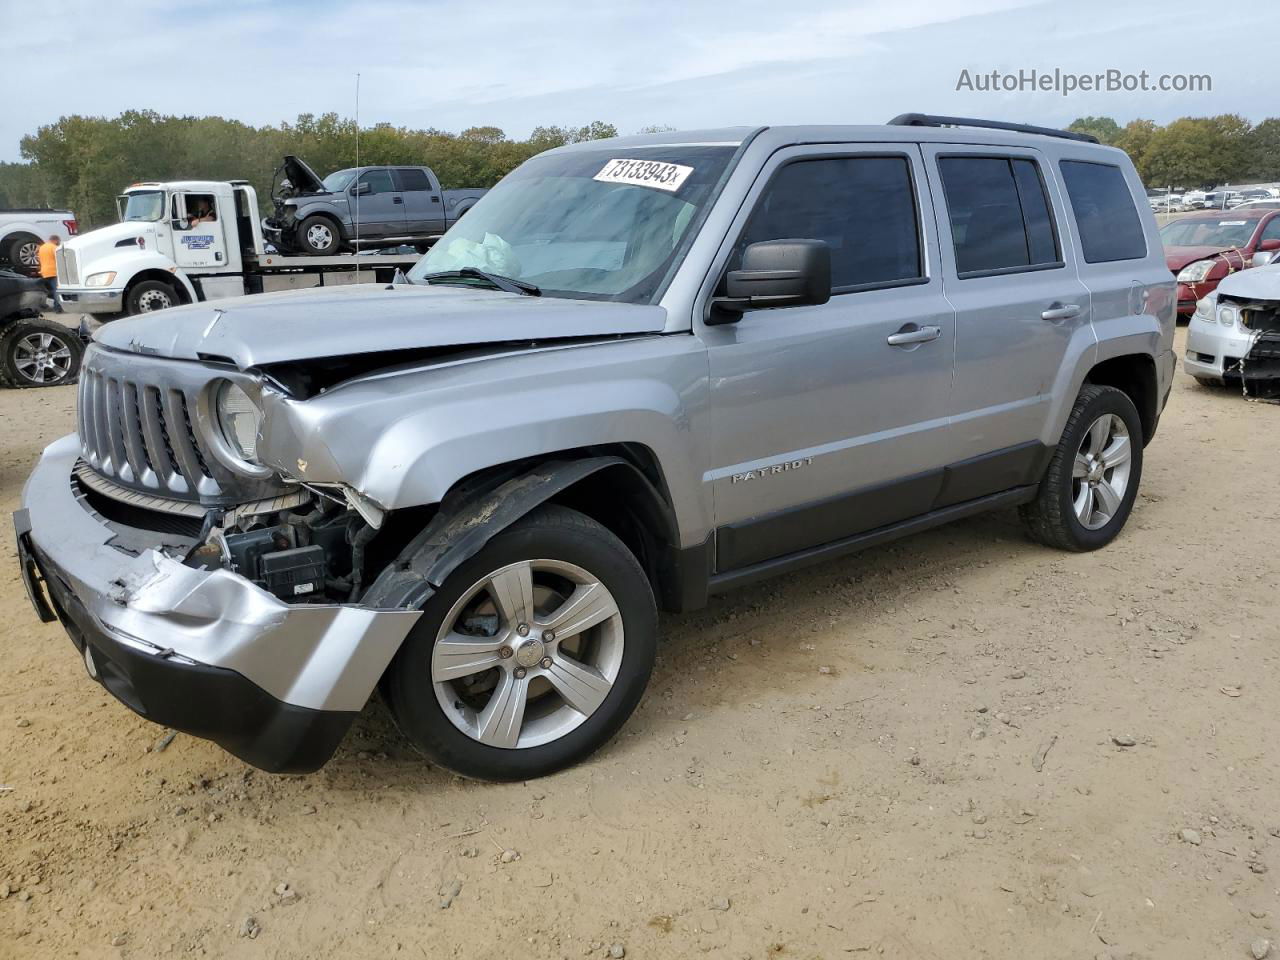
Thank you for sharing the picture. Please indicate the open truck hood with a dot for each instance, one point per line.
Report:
(302, 177)
(368, 318)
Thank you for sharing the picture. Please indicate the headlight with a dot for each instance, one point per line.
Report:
(100, 279)
(1204, 308)
(238, 419)
(1228, 315)
(1195, 272)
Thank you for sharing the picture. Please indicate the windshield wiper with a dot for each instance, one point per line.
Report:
(508, 284)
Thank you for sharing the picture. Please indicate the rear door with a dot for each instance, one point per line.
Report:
(822, 427)
(380, 211)
(423, 202)
(1020, 306)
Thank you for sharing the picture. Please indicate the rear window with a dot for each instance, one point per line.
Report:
(412, 179)
(1104, 211)
(999, 212)
(863, 208)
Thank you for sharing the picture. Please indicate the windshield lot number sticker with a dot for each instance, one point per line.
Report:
(645, 173)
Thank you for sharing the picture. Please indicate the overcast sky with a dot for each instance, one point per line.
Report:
(518, 64)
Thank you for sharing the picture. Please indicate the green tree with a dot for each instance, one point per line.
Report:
(1104, 128)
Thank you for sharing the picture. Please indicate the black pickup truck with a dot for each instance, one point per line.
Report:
(360, 208)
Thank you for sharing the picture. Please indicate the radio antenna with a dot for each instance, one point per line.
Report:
(356, 238)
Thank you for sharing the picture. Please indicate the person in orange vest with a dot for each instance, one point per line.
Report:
(48, 254)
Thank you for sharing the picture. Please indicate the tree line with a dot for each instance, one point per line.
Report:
(1194, 151)
(83, 163)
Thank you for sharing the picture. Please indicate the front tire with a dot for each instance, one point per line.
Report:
(37, 353)
(150, 296)
(1088, 491)
(318, 236)
(531, 655)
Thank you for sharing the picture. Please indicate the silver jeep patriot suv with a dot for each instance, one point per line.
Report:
(641, 371)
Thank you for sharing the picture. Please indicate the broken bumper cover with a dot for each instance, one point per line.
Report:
(1214, 351)
(204, 652)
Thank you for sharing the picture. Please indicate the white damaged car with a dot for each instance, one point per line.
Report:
(1234, 335)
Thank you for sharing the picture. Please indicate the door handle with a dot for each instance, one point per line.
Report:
(1061, 311)
(911, 334)
(435, 199)
(397, 199)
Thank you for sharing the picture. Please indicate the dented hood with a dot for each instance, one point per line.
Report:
(1260, 283)
(367, 318)
(1178, 257)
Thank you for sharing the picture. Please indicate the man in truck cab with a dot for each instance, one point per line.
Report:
(200, 210)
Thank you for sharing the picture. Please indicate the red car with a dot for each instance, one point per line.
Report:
(1202, 248)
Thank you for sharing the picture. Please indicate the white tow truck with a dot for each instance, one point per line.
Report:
(188, 241)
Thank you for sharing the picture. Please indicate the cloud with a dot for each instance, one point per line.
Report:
(517, 64)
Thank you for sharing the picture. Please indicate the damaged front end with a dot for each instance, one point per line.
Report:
(1257, 364)
(217, 603)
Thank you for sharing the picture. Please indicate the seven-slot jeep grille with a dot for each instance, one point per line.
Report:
(138, 424)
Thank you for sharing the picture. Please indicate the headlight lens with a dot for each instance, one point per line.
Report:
(1228, 315)
(239, 419)
(1195, 272)
(100, 279)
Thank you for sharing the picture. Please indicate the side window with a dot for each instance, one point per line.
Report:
(412, 178)
(1272, 230)
(999, 212)
(1104, 211)
(864, 208)
(379, 181)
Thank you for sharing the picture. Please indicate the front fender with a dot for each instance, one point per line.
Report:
(405, 438)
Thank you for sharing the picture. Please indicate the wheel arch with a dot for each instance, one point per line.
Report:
(18, 232)
(1135, 375)
(186, 293)
(315, 210)
(620, 487)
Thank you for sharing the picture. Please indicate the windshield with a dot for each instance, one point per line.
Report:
(144, 205)
(337, 181)
(597, 225)
(1225, 231)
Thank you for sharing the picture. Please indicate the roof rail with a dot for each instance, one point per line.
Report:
(930, 120)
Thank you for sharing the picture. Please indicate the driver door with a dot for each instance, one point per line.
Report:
(377, 206)
(201, 245)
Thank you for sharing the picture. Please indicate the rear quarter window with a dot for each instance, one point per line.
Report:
(1103, 208)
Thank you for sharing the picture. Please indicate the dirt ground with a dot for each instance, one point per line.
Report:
(842, 762)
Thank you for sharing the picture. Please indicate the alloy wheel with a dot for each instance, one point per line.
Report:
(319, 236)
(42, 358)
(1100, 473)
(527, 654)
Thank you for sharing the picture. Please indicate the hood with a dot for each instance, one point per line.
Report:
(302, 177)
(367, 318)
(1178, 257)
(113, 234)
(1260, 283)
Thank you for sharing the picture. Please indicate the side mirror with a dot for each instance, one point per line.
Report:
(1270, 243)
(179, 223)
(775, 273)
(360, 189)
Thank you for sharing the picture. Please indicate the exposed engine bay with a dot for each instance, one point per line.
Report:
(1259, 368)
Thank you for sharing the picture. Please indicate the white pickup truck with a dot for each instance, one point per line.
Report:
(189, 241)
(22, 232)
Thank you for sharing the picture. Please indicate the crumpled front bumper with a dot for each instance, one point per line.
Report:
(204, 652)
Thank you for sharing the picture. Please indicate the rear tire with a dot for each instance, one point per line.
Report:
(1088, 491)
(318, 236)
(22, 253)
(484, 687)
(38, 353)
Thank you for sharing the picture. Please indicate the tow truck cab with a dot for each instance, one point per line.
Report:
(164, 248)
(190, 241)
